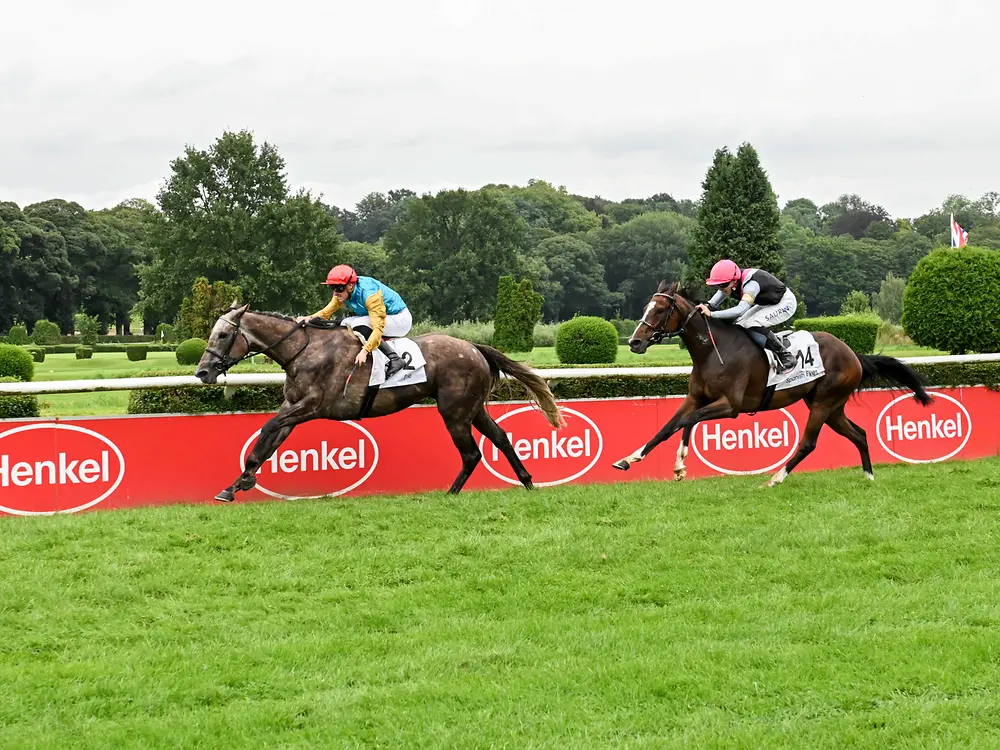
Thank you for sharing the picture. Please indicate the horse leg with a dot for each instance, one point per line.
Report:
(461, 434)
(818, 415)
(840, 424)
(680, 471)
(716, 410)
(687, 407)
(486, 425)
(272, 434)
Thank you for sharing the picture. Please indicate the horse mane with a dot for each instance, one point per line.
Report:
(691, 296)
(321, 323)
(688, 293)
(269, 314)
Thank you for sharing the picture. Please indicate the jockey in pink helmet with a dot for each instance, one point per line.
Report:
(764, 302)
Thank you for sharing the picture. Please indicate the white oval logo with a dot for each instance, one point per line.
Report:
(65, 471)
(924, 434)
(319, 459)
(551, 456)
(751, 445)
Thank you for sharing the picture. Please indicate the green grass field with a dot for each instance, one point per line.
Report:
(828, 613)
(115, 365)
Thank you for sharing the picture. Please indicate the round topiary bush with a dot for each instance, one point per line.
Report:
(16, 362)
(84, 352)
(587, 340)
(189, 351)
(20, 406)
(45, 333)
(951, 301)
(17, 335)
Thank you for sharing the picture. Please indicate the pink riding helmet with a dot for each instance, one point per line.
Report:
(723, 272)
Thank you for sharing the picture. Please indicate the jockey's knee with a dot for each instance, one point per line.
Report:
(757, 336)
(365, 331)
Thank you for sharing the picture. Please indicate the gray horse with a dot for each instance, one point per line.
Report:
(318, 358)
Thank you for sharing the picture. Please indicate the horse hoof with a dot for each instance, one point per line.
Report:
(623, 465)
(226, 496)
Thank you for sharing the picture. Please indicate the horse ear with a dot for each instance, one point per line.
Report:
(243, 309)
(674, 287)
(662, 287)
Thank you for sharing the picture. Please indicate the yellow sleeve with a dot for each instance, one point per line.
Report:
(748, 298)
(328, 311)
(376, 312)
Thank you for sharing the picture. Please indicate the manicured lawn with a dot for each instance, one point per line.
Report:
(828, 613)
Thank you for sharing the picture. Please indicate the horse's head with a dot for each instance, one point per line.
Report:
(664, 317)
(227, 345)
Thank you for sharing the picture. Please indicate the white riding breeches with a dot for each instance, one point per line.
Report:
(396, 326)
(769, 316)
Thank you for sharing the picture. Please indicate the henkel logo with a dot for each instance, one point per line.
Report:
(53, 467)
(747, 444)
(551, 456)
(924, 434)
(318, 459)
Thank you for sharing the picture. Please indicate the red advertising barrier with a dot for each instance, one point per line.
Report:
(75, 464)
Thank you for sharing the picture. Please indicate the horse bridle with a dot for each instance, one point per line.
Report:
(659, 333)
(224, 362)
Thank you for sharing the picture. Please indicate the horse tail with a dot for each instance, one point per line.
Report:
(536, 386)
(875, 367)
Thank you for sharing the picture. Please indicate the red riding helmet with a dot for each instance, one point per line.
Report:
(341, 276)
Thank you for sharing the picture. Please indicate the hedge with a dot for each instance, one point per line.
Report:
(16, 363)
(518, 309)
(21, 406)
(137, 352)
(109, 339)
(84, 352)
(587, 340)
(103, 348)
(269, 397)
(189, 351)
(952, 301)
(17, 335)
(45, 333)
(857, 331)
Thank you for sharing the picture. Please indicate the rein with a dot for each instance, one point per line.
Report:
(660, 333)
(225, 362)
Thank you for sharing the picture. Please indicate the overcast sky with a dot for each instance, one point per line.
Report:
(896, 101)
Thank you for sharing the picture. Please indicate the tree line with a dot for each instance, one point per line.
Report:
(228, 214)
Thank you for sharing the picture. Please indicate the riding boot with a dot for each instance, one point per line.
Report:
(395, 363)
(786, 360)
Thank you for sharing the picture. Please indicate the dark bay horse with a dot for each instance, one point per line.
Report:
(318, 358)
(737, 384)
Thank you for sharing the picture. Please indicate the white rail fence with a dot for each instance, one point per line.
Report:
(234, 380)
